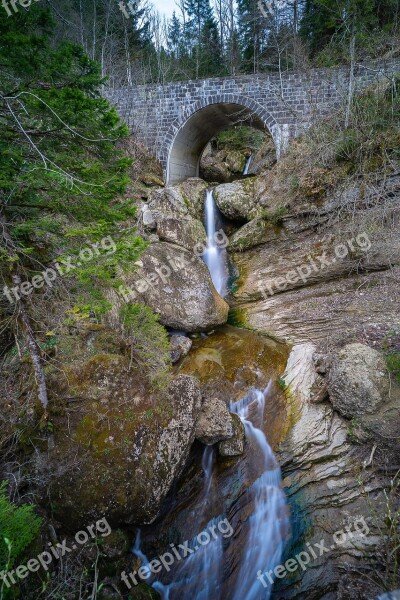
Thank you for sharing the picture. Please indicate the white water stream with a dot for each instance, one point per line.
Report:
(200, 576)
(215, 256)
(247, 165)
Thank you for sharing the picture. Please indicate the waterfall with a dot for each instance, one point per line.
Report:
(247, 165)
(215, 256)
(199, 576)
(207, 464)
(269, 522)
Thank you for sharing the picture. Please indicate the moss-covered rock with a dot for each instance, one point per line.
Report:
(183, 231)
(118, 452)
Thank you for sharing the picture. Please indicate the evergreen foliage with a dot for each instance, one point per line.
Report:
(19, 527)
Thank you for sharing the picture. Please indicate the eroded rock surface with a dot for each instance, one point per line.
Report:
(235, 445)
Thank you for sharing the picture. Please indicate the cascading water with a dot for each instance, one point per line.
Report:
(201, 575)
(268, 524)
(214, 255)
(247, 165)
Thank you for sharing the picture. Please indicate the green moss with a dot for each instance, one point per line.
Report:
(393, 364)
(237, 318)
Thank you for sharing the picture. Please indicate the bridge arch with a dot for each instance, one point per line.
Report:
(198, 123)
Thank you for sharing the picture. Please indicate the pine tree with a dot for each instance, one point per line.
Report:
(202, 30)
(60, 170)
(175, 35)
(252, 33)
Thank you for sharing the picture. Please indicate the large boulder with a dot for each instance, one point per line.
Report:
(182, 230)
(168, 200)
(215, 170)
(236, 200)
(120, 454)
(214, 423)
(177, 285)
(236, 161)
(358, 381)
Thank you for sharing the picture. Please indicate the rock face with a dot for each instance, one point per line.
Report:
(180, 347)
(168, 200)
(358, 381)
(126, 461)
(236, 200)
(234, 446)
(214, 423)
(177, 285)
(321, 470)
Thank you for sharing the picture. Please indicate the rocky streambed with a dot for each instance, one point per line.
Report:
(305, 333)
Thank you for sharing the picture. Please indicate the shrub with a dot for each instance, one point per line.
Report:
(148, 341)
(19, 527)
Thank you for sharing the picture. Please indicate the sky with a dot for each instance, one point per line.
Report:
(165, 6)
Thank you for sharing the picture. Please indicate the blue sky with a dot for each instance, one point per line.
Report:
(165, 6)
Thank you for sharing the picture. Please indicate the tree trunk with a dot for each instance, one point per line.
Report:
(351, 77)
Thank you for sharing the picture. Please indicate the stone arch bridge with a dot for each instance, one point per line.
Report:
(177, 120)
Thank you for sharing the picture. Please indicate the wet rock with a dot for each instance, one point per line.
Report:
(234, 446)
(177, 285)
(236, 200)
(214, 423)
(180, 346)
(358, 381)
